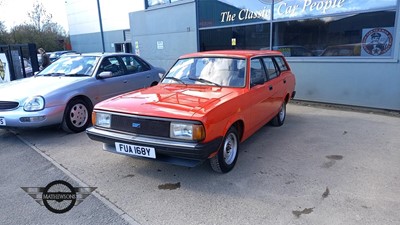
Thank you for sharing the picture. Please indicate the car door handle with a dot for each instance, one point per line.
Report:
(125, 81)
(271, 87)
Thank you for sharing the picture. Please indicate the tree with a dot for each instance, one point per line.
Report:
(4, 36)
(39, 16)
(40, 30)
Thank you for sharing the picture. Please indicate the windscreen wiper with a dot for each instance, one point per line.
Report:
(202, 80)
(76, 75)
(52, 74)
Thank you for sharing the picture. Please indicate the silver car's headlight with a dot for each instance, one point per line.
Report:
(187, 131)
(102, 119)
(35, 103)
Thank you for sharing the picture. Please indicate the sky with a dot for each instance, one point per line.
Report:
(15, 12)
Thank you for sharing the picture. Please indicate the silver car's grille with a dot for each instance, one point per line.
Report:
(8, 105)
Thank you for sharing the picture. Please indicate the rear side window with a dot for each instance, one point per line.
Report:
(281, 63)
(257, 72)
(271, 68)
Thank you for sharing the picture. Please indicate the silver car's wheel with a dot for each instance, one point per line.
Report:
(76, 117)
(225, 159)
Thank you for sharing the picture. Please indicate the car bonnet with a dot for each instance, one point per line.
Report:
(167, 101)
(33, 86)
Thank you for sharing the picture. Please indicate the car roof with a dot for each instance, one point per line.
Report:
(100, 54)
(233, 53)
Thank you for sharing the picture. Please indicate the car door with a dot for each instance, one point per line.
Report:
(275, 85)
(260, 95)
(139, 74)
(115, 84)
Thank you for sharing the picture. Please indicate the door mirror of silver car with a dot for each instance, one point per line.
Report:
(105, 74)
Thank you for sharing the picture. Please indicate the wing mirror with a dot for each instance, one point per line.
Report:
(105, 74)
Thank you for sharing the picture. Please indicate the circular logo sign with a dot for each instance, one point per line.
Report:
(377, 41)
(59, 196)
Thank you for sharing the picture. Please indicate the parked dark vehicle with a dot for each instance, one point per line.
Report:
(56, 55)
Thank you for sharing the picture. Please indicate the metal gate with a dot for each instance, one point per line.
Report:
(22, 60)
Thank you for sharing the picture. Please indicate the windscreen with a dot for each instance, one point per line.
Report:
(71, 66)
(217, 71)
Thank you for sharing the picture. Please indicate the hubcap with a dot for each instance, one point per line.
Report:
(230, 148)
(282, 113)
(78, 115)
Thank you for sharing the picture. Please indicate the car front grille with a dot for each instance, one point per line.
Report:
(143, 126)
(5, 105)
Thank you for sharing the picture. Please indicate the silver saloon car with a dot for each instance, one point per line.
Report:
(65, 92)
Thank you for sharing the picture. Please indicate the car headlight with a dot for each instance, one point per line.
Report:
(187, 131)
(34, 104)
(101, 119)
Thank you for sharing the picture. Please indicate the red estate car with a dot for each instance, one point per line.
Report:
(204, 106)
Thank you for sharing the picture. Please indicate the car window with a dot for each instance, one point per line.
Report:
(271, 68)
(281, 63)
(71, 66)
(217, 71)
(134, 65)
(111, 64)
(257, 72)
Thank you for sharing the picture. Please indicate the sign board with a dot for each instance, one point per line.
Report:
(377, 41)
(160, 44)
(4, 69)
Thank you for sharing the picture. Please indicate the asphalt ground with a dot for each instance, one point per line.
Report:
(22, 166)
(323, 166)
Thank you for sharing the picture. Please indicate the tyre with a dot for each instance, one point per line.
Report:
(225, 159)
(76, 116)
(279, 119)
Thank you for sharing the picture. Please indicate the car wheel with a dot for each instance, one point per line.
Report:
(279, 119)
(225, 159)
(76, 116)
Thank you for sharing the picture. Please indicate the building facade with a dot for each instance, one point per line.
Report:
(94, 24)
(342, 51)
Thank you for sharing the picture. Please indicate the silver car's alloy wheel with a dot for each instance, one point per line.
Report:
(78, 115)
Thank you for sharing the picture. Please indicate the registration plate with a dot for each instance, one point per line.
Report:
(136, 150)
(2, 121)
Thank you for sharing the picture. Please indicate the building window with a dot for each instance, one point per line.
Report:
(346, 28)
(150, 3)
(337, 36)
(240, 37)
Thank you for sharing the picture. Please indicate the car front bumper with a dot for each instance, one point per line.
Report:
(188, 154)
(19, 118)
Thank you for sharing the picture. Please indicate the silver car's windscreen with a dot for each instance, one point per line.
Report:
(71, 66)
